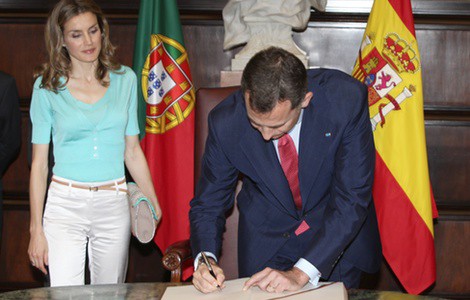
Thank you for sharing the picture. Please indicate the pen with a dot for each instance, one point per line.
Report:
(209, 266)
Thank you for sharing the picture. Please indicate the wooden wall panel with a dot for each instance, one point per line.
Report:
(123, 37)
(22, 49)
(449, 163)
(452, 256)
(16, 179)
(445, 53)
(14, 262)
(205, 46)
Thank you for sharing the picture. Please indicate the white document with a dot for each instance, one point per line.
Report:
(234, 291)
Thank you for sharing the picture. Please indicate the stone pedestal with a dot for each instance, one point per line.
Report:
(230, 78)
(239, 63)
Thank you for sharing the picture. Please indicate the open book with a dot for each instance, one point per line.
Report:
(234, 291)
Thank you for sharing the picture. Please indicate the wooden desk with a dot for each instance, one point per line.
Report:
(156, 290)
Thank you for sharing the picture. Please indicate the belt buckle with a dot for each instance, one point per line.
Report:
(93, 188)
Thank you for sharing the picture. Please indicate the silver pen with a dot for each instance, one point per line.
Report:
(209, 266)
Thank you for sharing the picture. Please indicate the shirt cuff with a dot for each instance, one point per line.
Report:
(208, 254)
(309, 269)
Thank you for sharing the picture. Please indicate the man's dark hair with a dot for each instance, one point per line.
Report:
(274, 75)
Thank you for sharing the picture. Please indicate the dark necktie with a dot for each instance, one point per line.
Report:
(290, 166)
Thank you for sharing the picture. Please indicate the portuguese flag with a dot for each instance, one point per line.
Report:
(390, 65)
(166, 112)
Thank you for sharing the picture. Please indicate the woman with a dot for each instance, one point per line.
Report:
(88, 102)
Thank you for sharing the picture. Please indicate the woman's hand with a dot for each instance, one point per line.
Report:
(158, 212)
(38, 251)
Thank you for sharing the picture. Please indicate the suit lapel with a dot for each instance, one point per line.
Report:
(315, 139)
(263, 158)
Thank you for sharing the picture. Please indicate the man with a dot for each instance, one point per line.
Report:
(305, 211)
(10, 131)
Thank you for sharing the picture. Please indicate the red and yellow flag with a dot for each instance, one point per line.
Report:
(390, 65)
(166, 112)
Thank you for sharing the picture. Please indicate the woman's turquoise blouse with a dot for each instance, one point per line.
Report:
(88, 139)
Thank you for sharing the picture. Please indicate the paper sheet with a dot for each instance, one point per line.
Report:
(234, 291)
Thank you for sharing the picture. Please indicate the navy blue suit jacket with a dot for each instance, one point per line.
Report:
(336, 164)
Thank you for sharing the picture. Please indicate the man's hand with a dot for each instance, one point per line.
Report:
(204, 281)
(275, 281)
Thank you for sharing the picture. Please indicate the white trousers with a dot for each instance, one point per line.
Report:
(77, 221)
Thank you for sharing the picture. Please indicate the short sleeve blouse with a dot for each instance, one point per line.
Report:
(88, 139)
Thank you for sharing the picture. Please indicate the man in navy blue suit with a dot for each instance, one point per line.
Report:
(304, 216)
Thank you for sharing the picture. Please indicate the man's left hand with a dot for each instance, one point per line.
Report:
(275, 281)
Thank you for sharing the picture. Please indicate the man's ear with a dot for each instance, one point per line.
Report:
(247, 95)
(307, 98)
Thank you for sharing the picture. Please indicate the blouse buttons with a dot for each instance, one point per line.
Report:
(95, 146)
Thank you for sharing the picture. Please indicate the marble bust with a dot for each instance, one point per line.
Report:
(264, 23)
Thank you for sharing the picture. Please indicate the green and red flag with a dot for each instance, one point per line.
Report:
(166, 111)
(390, 65)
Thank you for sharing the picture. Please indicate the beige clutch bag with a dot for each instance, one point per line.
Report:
(142, 214)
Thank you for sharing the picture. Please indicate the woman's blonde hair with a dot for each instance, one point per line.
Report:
(59, 63)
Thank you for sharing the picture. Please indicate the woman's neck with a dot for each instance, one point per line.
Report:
(84, 71)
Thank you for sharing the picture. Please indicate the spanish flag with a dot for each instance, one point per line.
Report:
(390, 65)
(166, 112)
